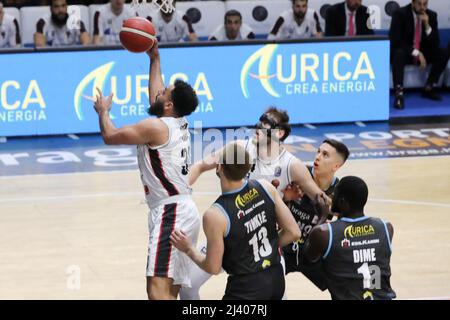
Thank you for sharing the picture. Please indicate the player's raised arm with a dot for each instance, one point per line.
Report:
(155, 84)
(300, 175)
(146, 131)
(290, 232)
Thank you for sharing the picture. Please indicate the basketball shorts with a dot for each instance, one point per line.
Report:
(267, 284)
(163, 259)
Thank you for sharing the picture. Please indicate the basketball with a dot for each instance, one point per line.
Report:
(137, 35)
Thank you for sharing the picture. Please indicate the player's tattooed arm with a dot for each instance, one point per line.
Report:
(215, 227)
(316, 244)
(155, 84)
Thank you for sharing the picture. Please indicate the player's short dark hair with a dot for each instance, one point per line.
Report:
(232, 13)
(235, 161)
(280, 118)
(293, 1)
(354, 191)
(184, 98)
(341, 148)
(51, 2)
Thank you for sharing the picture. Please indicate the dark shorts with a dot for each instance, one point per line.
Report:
(313, 271)
(264, 285)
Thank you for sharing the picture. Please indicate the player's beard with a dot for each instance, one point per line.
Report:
(60, 21)
(156, 109)
(300, 15)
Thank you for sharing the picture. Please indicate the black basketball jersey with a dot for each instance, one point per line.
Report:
(305, 212)
(251, 243)
(357, 260)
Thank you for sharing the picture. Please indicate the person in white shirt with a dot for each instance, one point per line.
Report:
(58, 29)
(9, 30)
(297, 23)
(232, 29)
(108, 22)
(173, 26)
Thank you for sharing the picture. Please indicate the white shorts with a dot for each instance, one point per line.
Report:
(163, 259)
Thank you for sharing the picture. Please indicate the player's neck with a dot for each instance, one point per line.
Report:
(229, 186)
(269, 152)
(116, 11)
(353, 214)
(324, 181)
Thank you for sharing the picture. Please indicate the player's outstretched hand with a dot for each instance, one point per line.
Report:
(103, 104)
(180, 241)
(153, 53)
(322, 204)
(292, 192)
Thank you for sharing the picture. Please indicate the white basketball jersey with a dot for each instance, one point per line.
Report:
(220, 33)
(108, 25)
(57, 36)
(277, 169)
(8, 32)
(291, 30)
(164, 169)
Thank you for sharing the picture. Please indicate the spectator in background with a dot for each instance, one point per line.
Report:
(108, 22)
(349, 18)
(9, 30)
(233, 28)
(174, 26)
(414, 39)
(297, 23)
(58, 30)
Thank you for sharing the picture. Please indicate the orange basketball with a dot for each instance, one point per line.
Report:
(137, 34)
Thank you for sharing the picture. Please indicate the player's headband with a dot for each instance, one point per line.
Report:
(267, 119)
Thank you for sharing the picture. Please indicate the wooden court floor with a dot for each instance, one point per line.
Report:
(84, 235)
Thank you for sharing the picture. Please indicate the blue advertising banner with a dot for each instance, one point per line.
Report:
(44, 93)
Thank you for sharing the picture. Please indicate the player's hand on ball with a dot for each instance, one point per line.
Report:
(292, 192)
(103, 104)
(153, 53)
(180, 241)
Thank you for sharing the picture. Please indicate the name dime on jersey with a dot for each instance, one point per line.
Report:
(364, 255)
(255, 222)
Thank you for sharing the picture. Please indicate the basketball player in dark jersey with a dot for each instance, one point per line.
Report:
(355, 249)
(241, 231)
(330, 156)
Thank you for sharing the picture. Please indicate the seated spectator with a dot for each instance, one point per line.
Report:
(349, 18)
(297, 23)
(54, 30)
(174, 26)
(108, 22)
(233, 28)
(9, 30)
(414, 39)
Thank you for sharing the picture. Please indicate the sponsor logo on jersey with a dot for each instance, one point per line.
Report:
(277, 172)
(345, 243)
(359, 231)
(242, 200)
(266, 263)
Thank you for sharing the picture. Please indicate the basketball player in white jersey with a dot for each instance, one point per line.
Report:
(163, 157)
(9, 29)
(272, 162)
(233, 29)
